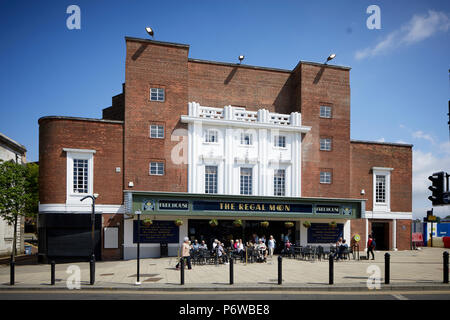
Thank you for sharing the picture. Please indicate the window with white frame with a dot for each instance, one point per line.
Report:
(210, 179)
(279, 141)
(80, 176)
(325, 144)
(157, 168)
(156, 131)
(157, 94)
(279, 182)
(246, 139)
(246, 181)
(325, 177)
(325, 111)
(381, 189)
(211, 136)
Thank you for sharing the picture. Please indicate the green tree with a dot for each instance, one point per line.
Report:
(13, 196)
(32, 189)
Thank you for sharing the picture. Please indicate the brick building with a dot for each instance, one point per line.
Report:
(194, 140)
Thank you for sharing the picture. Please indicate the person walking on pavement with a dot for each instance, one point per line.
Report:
(186, 253)
(370, 246)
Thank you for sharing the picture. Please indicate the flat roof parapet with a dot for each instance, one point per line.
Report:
(78, 119)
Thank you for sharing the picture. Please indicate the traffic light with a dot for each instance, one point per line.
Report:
(437, 188)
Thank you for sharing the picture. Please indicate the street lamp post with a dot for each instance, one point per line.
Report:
(92, 258)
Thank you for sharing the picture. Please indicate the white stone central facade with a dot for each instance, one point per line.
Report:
(232, 138)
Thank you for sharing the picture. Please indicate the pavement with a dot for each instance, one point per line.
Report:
(420, 270)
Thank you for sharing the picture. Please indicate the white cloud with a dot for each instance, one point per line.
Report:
(381, 140)
(421, 135)
(419, 28)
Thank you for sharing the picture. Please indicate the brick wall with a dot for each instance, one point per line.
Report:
(112, 220)
(106, 138)
(358, 227)
(330, 86)
(217, 85)
(368, 155)
(404, 234)
(153, 65)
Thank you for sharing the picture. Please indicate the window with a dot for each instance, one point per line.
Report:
(211, 179)
(325, 144)
(157, 94)
(80, 175)
(325, 112)
(211, 136)
(380, 189)
(279, 182)
(246, 139)
(325, 177)
(157, 168)
(156, 131)
(246, 181)
(279, 141)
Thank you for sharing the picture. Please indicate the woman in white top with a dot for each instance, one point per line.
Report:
(271, 246)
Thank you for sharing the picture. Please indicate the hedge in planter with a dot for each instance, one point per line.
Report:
(179, 222)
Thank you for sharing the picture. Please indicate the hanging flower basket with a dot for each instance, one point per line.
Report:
(307, 224)
(178, 222)
(147, 222)
(265, 224)
(213, 223)
(289, 224)
(333, 224)
(237, 223)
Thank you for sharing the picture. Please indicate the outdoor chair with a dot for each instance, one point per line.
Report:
(320, 252)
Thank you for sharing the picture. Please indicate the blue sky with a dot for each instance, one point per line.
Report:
(399, 78)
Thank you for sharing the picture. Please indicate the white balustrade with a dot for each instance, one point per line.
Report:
(240, 114)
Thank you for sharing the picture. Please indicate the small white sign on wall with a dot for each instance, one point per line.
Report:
(111, 237)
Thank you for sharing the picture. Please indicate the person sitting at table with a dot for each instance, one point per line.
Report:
(231, 247)
(341, 249)
(195, 246)
(222, 254)
(203, 245)
(262, 251)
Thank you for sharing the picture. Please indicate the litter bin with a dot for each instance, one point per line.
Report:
(164, 250)
(446, 242)
(27, 249)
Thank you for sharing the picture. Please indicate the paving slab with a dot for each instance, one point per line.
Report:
(412, 270)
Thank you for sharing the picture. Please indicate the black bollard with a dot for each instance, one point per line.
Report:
(182, 270)
(92, 270)
(280, 271)
(12, 271)
(445, 267)
(231, 271)
(52, 273)
(331, 267)
(387, 268)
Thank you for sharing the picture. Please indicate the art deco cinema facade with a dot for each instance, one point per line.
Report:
(194, 140)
